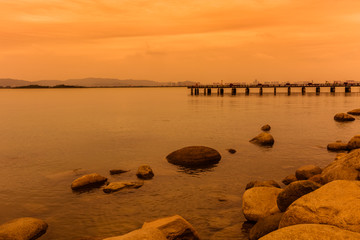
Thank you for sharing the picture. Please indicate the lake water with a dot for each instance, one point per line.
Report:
(45, 134)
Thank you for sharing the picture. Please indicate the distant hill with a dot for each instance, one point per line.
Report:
(91, 82)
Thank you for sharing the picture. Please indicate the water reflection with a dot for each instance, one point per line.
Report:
(197, 171)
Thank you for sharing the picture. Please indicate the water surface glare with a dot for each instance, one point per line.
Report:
(46, 134)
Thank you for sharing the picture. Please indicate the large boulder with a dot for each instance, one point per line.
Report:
(354, 111)
(336, 203)
(170, 228)
(307, 171)
(194, 156)
(259, 202)
(343, 117)
(354, 142)
(345, 168)
(267, 183)
(294, 191)
(289, 179)
(116, 186)
(311, 232)
(89, 180)
(266, 127)
(263, 139)
(337, 146)
(23, 229)
(145, 172)
(265, 225)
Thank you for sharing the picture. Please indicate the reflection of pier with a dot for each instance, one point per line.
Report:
(207, 89)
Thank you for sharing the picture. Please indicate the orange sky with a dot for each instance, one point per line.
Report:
(196, 40)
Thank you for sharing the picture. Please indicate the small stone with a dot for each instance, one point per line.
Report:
(343, 117)
(145, 172)
(266, 127)
(89, 180)
(263, 139)
(307, 171)
(232, 151)
(116, 186)
(289, 179)
(118, 171)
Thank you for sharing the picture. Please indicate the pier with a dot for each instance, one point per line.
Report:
(220, 89)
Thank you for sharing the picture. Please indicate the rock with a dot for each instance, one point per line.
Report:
(265, 225)
(268, 183)
(233, 232)
(294, 191)
(345, 168)
(354, 111)
(141, 234)
(311, 232)
(116, 186)
(354, 142)
(263, 139)
(306, 172)
(145, 172)
(340, 155)
(194, 156)
(266, 127)
(336, 203)
(23, 229)
(343, 117)
(337, 146)
(289, 179)
(118, 171)
(232, 151)
(259, 202)
(89, 180)
(316, 178)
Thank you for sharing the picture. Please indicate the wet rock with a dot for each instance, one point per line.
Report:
(118, 171)
(217, 222)
(336, 203)
(294, 191)
(354, 142)
(266, 127)
(289, 179)
(23, 229)
(194, 156)
(306, 172)
(116, 186)
(337, 146)
(263, 139)
(89, 180)
(345, 168)
(232, 151)
(343, 117)
(141, 234)
(354, 111)
(145, 172)
(265, 225)
(340, 155)
(268, 183)
(316, 178)
(311, 232)
(259, 202)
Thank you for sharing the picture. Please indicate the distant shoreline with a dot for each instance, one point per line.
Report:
(70, 86)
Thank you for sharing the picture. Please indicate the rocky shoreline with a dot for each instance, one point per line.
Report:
(314, 204)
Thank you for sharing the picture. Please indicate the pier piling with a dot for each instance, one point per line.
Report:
(347, 89)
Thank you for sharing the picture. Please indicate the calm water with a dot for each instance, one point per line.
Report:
(47, 133)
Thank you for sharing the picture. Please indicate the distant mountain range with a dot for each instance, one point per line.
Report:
(91, 82)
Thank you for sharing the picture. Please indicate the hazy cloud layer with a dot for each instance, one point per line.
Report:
(180, 40)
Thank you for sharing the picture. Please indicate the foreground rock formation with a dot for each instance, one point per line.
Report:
(171, 228)
(90, 180)
(263, 139)
(23, 229)
(194, 156)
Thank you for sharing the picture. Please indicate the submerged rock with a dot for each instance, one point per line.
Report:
(289, 179)
(89, 180)
(268, 183)
(263, 139)
(231, 150)
(354, 111)
(337, 146)
(311, 232)
(265, 225)
(336, 203)
(194, 156)
(116, 186)
(307, 171)
(266, 127)
(118, 171)
(145, 172)
(23, 229)
(343, 117)
(259, 202)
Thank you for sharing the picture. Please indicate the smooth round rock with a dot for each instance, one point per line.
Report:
(23, 229)
(266, 127)
(145, 172)
(307, 171)
(88, 180)
(337, 146)
(354, 111)
(194, 156)
(343, 117)
(263, 139)
(289, 179)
